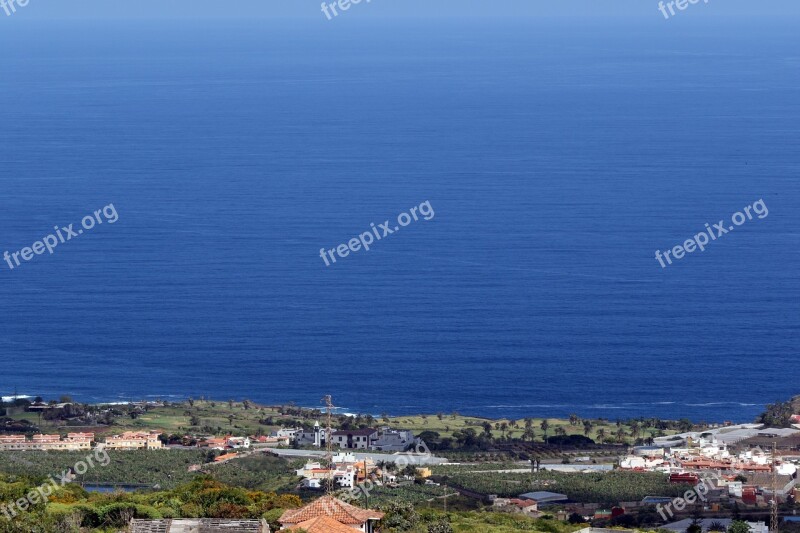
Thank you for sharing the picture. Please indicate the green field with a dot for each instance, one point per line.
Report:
(608, 488)
(247, 418)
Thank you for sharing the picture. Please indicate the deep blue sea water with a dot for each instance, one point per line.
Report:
(558, 156)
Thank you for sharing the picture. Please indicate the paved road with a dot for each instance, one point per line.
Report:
(416, 459)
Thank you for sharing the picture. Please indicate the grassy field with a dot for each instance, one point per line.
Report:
(448, 423)
(220, 417)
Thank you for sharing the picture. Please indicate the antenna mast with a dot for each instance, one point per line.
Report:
(774, 514)
(329, 442)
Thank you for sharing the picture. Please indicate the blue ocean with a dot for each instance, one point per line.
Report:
(557, 157)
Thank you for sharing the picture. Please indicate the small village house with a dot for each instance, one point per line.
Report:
(332, 511)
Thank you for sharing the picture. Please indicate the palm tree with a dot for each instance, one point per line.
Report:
(545, 425)
(587, 427)
(601, 434)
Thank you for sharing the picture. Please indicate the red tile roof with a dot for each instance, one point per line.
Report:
(342, 512)
(323, 524)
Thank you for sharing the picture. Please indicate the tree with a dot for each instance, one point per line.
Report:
(545, 425)
(778, 414)
(487, 428)
(573, 420)
(716, 526)
(399, 515)
(441, 526)
(695, 527)
(587, 427)
(738, 526)
(575, 518)
(429, 436)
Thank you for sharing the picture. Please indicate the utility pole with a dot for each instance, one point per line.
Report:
(328, 443)
(774, 518)
(366, 492)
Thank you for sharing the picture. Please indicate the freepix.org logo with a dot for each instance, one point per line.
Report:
(61, 236)
(672, 4)
(41, 493)
(712, 233)
(330, 8)
(10, 6)
(365, 240)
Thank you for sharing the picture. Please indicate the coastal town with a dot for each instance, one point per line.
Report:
(357, 473)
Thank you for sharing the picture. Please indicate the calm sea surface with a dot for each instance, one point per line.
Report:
(557, 158)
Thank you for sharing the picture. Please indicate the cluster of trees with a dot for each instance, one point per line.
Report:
(484, 435)
(778, 414)
(70, 507)
(403, 517)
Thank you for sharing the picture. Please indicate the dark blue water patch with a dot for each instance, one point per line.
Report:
(557, 160)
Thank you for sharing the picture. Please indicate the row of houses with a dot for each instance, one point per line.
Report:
(383, 439)
(230, 442)
(129, 440)
(345, 471)
(729, 460)
(72, 442)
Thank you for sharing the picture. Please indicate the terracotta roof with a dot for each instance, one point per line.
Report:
(522, 503)
(323, 524)
(342, 512)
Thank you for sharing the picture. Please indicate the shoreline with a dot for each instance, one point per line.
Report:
(501, 415)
